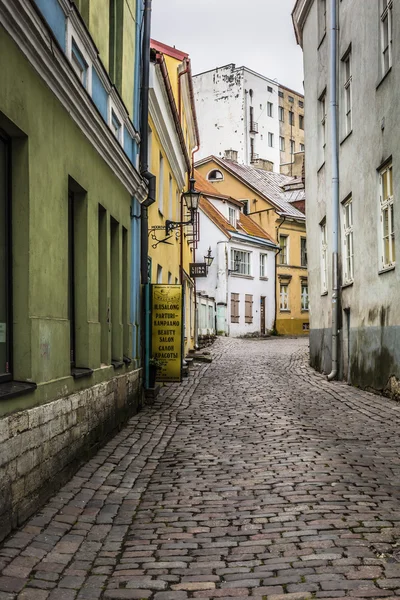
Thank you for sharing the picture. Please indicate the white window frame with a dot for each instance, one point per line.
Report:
(72, 37)
(282, 144)
(324, 258)
(285, 247)
(270, 109)
(386, 35)
(281, 114)
(263, 266)
(348, 241)
(284, 304)
(112, 109)
(292, 147)
(232, 216)
(160, 190)
(388, 249)
(347, 90)
(323, 118)
(244, 264)
(270, 139)
(305, 299)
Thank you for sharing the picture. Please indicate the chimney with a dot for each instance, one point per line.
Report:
(262, 163)
(231, 155)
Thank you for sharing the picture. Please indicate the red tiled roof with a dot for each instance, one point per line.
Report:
(168, 50)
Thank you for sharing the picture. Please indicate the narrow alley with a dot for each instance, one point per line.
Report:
(255, 477)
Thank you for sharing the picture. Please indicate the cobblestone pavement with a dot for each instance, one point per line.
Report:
(254, 478)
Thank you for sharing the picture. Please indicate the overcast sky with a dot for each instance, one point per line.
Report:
(255, 33)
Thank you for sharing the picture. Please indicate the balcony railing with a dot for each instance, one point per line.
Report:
(253, 127)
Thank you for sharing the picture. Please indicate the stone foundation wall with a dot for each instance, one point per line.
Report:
(42, 447)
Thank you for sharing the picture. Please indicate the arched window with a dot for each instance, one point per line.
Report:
(215, 175)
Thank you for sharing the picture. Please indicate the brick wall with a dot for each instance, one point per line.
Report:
(40, 448)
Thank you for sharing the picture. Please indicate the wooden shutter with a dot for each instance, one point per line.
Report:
(249, 308)
(234, 308)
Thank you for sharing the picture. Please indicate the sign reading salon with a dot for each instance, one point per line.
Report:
(166, 338)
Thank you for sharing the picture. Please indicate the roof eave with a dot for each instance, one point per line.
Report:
(299, 17)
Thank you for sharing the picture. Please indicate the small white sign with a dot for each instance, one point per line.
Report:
(3, 328)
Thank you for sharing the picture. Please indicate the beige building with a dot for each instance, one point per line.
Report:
(291, 131)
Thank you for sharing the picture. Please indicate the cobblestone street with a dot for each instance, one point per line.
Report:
(254, 477)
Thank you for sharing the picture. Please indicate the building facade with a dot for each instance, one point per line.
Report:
(173, 136)
(69, 357)
(271, 204)
(251, 114)
(241, 278)
(354, 102)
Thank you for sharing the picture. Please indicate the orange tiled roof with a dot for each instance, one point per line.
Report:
(216, 217)
(204, 186)
(251, 228)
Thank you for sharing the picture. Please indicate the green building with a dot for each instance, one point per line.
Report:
(70, 192)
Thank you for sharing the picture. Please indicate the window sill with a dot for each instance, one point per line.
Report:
(12, 389)
(263, 278)
(321, 167)
(305, 311)
(117, 364)
(384, 78)
(127, 360)
(347, 284)
(240, 275)
(346, 137)
(321, 41)
(284, 310)
(324, 293)
(80, 373)
(387, 269)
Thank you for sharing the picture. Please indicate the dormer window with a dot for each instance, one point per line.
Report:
(215, 175)
(232, 216)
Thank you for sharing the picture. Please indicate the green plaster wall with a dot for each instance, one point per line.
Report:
(48, 152)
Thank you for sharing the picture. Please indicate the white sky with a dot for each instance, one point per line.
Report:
(255, 33)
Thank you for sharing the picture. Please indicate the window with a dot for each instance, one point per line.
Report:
(284, 297)
(270, 90)
(301, 121)
(304, 296)
(215, 175)
(322, 111)
(234, 308)
(79, 64)
(301, 104)
(248, 314)
(291, 99)
(170, 207)
(159, 274)
(270, 108)
(71, 277)
(263, 265)
(282, 144)
(386, 34)
(303, 252)
(115, 42)
(324, 258)
(78, 57)
(169, 278)
(281, 112)
(161, 184)
(347, 78)
(284, 253)
(292, 147)
(321, 19)
(388, 255)
(5, 262)
(306, 326)
(116, 126)
(291, 117)
(270, 139)
(348, 240)
(245, 207)
(232, 216)
(280, 94)
(240, 262)
(302, 147)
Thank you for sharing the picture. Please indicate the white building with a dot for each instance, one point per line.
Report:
(358, 137)
(241, 279)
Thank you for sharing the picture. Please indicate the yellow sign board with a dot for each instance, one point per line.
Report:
(167, 330)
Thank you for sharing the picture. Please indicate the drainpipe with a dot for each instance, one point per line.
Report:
(335, 191)
(151, 179)
(276, 270)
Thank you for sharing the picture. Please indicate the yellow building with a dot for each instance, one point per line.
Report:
(173, 135)
(291, 131)
(272, 200)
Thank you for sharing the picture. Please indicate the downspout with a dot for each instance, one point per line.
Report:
(151, 179)
(276, 271)
(335, 192)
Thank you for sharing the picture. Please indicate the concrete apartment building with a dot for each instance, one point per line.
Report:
(251, 114)
(352, 95)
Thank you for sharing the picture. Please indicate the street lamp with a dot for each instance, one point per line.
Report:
(191, 199)
(208, 259)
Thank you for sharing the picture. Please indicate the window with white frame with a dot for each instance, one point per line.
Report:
(79, 64)
(304, 296)
(263, 265)
(386, 34)
(270, 109)
(116, 125)
(292, 147)
(270, 139)
(161, 184)
(241, 262)
(284, 297)
(303, 252)
(348, 275)
(232, 216)
(281, 111)
(79, 57)
(282, 144)
(324, 258)
(347, 92)
(302, 147)
(284, 253)
(322, 110)
(321, 19)
(388, 249)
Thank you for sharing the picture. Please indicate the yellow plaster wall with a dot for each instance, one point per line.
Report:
(99, 18)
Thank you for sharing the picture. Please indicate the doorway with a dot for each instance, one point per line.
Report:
(262, 314)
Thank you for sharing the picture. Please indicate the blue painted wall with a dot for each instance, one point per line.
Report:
(99, 95)
(52, 12)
